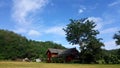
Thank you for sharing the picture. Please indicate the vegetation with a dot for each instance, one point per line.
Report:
(14, 46)
(83, 33)
(110, 56)
(53, 65)
(117, 37)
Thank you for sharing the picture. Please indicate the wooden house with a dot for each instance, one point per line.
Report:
(68, 54)
(51, 53)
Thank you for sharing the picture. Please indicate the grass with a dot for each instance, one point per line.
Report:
(10, 64)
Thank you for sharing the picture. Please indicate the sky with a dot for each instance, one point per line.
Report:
(43, 20)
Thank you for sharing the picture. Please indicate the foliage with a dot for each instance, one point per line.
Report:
(117, 37)
(57, 60)
(83, 33)
(78, 31)
(14, 46)
(111, 56)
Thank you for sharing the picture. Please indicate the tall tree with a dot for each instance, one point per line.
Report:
(117, 37)
(117, 40)
(83, 33)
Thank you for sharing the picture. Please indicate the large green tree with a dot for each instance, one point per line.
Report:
(83, 33)
(117, 40)
(117, 37)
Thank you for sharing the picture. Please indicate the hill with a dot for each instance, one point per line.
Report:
(14, 46)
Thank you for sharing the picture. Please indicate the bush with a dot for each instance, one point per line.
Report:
(111, 59)
(101, 61)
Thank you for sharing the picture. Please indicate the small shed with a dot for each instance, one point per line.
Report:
(38, 60)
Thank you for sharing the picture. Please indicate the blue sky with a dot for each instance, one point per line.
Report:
(43, 20)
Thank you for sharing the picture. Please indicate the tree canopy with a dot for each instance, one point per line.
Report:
(117, 38)
(83, 33)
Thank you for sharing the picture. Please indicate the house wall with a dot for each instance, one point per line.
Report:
(50, 55)
(54, 55)
(68, 58)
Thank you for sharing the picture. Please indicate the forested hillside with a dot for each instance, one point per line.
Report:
(111, 56)
(14, 46)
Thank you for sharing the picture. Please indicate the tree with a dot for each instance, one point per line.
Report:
(83, 33)
(117, 37)
(117, 40)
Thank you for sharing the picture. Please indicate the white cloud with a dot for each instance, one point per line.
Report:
(20, 30)
(22, 9)
(33, 33)
(95, 19)
(23, 12)
(102, 23)
(80, 11)
(114, 3)
(55, 30)
(111, 45)
(57, 41)
(109, 30)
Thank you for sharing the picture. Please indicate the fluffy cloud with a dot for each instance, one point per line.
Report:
(23, 12)
(33, 33)
(55, 30)
(111, 45)
(114, 3)
(81, 10)
(109, 30)
(22, 9)
(20, 30)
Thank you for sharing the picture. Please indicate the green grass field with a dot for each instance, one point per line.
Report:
(9, 64)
